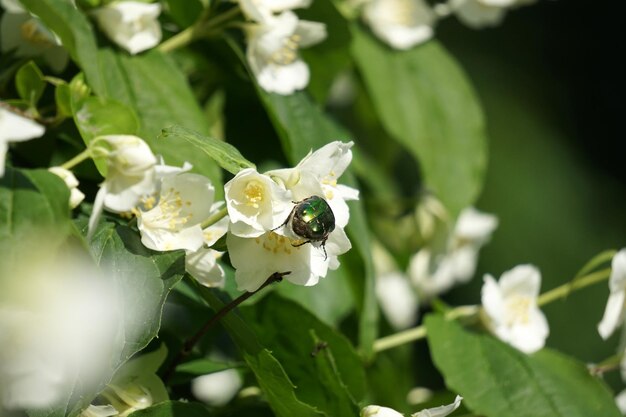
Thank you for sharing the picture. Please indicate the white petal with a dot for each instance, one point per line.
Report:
(16, 128)
(3, 153)
(76, 196)
(531, 336)
(613, 314)
(464, 261)
(132, 25)
(311, 33)
(400, 23)
(442, 411)
(477, 15)
(397, 299)
(620, 400)
(162, 239)
(474, 225)
(218, 388)
(329, 161)
(378, 411)
(96, 211)
(491, 298)
(283, 79)
(12, 6)
(202, 265)
(523, 280)
(431, 276)
(124, 193)
(617, 281)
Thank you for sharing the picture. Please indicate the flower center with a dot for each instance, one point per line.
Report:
(171, 206)
(253, 193)
(288, 53)
(33, 32)
(518, 309)
(275, 243)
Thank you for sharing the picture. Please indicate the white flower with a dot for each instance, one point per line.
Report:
(397, 299)
(175, 222)
(616, 305)
(133, 25)
(26, 34)
(63, 332)
(434, 270)
(444, 410)
(273, 51)
(620, 401)
(511, 309)
(317, 174)
(255, 259)
(482, 13)
(15, 128)
(401, 24)
(202, 264)
(76, 196)
(262, 10)
(393, 290)
(218, 388)
(255, 203)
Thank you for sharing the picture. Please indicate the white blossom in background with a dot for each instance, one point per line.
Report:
(202, 264)
(402, 24)
(26, 34)
(483, 13)
(15, 128)
(256, 204)
(262, 10)
(511, 310)
(57, 327)
(442, 411)
(434, 271)
(317, 174)
(76, 196)
(217, 388)
(615, 311)
(132, 25)
(395, 294)
(174, 222)
(272, 52)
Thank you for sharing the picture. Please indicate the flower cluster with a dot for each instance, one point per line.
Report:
(261, 239)
(15, 128)
(176, 209)
(274, 41)
(403, 24)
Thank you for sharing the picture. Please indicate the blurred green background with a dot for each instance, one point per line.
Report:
(552, 89)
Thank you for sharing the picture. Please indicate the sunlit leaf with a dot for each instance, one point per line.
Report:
(497, 380)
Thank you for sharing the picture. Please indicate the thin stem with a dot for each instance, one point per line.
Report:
(86, 154)
(562, 291)
(419, 332)
(196, 31)
(565, 289)
(214, 218)
(191, 342)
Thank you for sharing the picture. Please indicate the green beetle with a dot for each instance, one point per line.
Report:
(313, 220)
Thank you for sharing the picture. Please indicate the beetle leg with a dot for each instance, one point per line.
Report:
(295, 245)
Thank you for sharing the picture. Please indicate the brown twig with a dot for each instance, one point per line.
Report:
(191, 342)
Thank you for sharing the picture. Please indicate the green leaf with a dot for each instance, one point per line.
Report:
(320, 361)
(184, 13)
(156, 89)
(426, 103)
(30, 83)
(226, 155)
(33, 205)
(100, 116)
(62, 98)
(302, 126)
(142, 371)
(276, 385)
(497, 380)
(174, 409)
(143, 279)
(75, 32)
